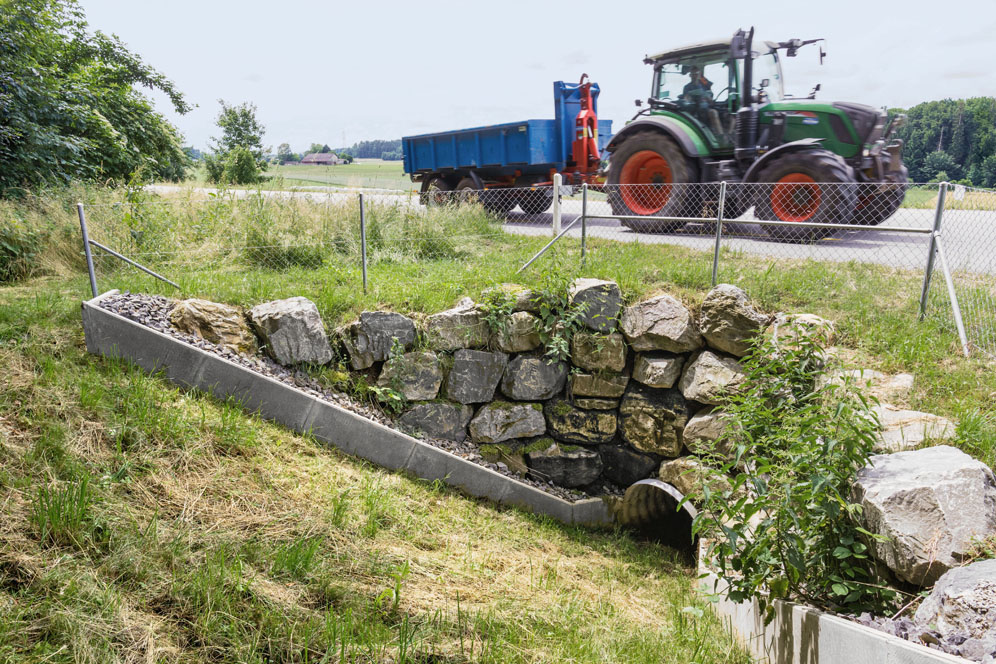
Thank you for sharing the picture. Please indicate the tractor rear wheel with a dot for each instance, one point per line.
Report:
(814, 186)
(877, 201)
(652, 175)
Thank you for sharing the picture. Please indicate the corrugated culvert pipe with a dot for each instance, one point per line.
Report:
(652, 508)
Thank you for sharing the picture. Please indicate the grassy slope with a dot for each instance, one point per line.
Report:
(364, 173)
(140, 522)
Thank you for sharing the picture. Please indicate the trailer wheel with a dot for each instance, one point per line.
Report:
(436, 192)
(467, 191)
(648, 176)
(807, 186)
(499, 200)
(536, 201)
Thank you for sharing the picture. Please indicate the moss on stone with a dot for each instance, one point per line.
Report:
(537, 445)
(561, 408)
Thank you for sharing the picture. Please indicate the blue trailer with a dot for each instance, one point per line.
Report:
(515, 154)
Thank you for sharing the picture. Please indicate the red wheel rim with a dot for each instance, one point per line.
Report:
(652, 173)
(796, 197)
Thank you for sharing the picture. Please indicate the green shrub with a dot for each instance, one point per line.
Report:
(786, 528)
(19, 248)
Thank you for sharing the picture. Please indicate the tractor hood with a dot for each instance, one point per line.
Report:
(869, 122)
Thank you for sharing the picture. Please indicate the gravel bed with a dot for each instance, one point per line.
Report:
(153, 311)
(953, 643)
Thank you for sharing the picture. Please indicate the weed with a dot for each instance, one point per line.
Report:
(389, 598)
(62, 514)
(296, 559)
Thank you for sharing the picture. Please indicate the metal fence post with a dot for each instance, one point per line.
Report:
(928, 272)
(557, 181)
(955, 308)
(86, 249)
(720, 209)
(363, 243)
(584, 223)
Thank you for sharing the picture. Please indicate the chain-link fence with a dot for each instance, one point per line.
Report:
(249, 245)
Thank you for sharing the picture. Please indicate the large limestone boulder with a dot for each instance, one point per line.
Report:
(500, 421)
(292, 331)
(460, 327)
(728, 321)
(657, 369)
(930, 504)
(788, 329)
(963, 601)
(594, 403)
(602, 385)
(598, 352)
(529, 378)
(520, 334)
(564, 465)
(653, 420)
(884, 387)
(600, 302)
(704, 429)
(625, 466)
(576, 425)
(709, 377)
(660, 323)
(417, 376)
(439, 419)
(689, 475)
(475, 375)
(216, 323)
(371, 338)
(909, 429)
(522, 298)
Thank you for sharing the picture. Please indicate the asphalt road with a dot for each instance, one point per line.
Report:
(968, 236)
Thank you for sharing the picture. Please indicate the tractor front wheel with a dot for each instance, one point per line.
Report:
(877, 201)
(648, 177)
(815, 186)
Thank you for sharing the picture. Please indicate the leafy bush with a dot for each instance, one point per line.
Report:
(786, 528)
(19, 247)
(559, 318)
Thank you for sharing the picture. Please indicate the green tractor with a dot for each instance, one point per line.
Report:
(718, 112)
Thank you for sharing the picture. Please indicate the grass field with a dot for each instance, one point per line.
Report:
(142, 522)
(361, 174)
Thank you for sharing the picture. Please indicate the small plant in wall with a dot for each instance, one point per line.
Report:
(559, 318)
(390, 396)
(498, 305)
(786, 527)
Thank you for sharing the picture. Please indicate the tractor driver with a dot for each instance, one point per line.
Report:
(698, 93)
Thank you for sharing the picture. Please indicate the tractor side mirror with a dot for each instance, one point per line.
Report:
(823, 54)
(765, 82)
(638, 102)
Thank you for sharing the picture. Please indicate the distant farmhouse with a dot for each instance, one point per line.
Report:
(322, 159)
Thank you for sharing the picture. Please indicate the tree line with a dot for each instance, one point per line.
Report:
(951, 139)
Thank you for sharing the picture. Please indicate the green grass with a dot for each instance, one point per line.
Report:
(361, 174)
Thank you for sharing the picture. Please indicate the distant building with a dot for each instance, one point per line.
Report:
(322, 159)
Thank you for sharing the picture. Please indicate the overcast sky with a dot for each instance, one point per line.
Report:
(337, 72)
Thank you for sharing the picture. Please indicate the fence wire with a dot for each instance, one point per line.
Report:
(848, 228)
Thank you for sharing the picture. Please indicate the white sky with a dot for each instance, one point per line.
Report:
(336, 72)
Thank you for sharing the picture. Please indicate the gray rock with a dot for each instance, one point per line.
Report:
(688, 475)
(884, 387)
(660, 323)
(461, 327)
(520, 334)
(600, 301)
(575, 425)
(511, 453)
(594, 403)
(598, 352)
(529, 378)
(604, 385)
(439, 419)
(417, 376)
(626, 466)
(728, 321)
(909, 429)
(653, 420)
(929, 503)
(703, 429)
(964, 601)
(475, 375)
(500, 421)
(214, 322)
(709, 377)
(292, 331)
(657, 369)
(370, 338)
(787, 329)
(564, 465)
(522, 298)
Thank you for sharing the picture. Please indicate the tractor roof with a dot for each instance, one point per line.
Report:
(691, 49)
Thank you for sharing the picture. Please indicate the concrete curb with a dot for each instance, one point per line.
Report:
(803, 635)
(110, 335)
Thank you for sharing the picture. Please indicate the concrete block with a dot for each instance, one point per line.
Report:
(591, 512)
(359, 436)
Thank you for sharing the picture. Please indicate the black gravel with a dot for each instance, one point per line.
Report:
(153, 311)
(953, 643)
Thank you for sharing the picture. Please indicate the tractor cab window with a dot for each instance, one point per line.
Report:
(704, 88)
(767, 67)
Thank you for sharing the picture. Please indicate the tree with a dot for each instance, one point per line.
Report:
(319, 148)
(284, 153)
(242, 135)
(69, 104)
(940, 162)
(346, 157)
